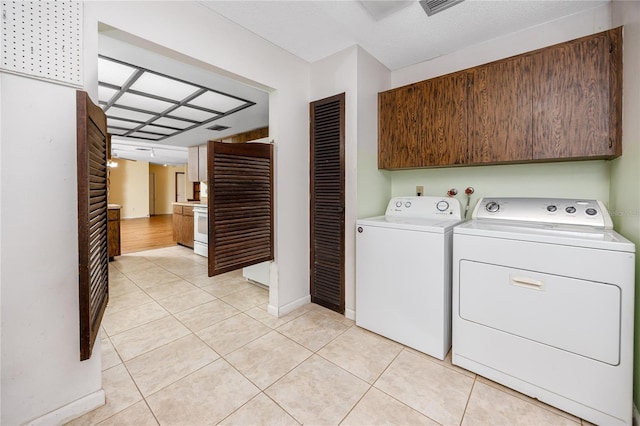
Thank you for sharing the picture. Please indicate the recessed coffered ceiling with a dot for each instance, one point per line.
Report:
(161, 100)
(147, 105)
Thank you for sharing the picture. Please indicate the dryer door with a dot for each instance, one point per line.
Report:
(575, 315)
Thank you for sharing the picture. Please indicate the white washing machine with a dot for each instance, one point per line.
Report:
(543, 301)
(403, 272)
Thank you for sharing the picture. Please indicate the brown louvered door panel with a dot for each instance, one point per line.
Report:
(93, 256)
(327, 202)
(240, 205)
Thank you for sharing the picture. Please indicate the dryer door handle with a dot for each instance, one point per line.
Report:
(526, 282)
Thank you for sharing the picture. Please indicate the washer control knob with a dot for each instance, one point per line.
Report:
(552, 208)
(570, 209)
(492, 207)
(398, 203)
(360, 230)
(407, 204)
(442, 205)
(591, 211)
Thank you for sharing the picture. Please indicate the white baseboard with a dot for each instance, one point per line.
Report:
(350, 314)
(289, 307)
(71, 411)
(636, 415)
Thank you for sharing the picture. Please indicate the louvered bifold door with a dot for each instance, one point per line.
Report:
(327, 202)
(240, 205)
(93, 260)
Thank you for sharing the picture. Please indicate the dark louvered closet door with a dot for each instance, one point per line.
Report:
(93, 271)
(240, 205)
(327, 202)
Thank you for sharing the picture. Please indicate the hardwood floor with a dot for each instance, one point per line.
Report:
(146, 233)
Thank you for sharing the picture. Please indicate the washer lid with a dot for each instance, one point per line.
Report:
(579, 236)
(434, 225)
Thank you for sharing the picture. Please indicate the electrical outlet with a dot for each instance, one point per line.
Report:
(419, 191)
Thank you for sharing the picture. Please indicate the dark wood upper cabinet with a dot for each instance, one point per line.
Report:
(558, 103)
(424, 124)
(500, 125)
(576, 98)
(398, 129)
(442, 103)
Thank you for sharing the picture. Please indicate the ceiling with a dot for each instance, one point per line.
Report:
(397, 33)
(313, 30)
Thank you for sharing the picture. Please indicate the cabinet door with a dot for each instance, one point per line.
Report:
(398, 143)
(442, 115)
(576, 98)
(113, 232)
(500, 122)
(202, 163)
(193, 164)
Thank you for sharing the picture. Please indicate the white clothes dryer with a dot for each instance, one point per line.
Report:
(543, 301)
(403, 272)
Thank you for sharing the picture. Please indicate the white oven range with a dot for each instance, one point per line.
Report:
(200, 230)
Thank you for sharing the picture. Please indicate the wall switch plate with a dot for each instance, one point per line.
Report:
(419, 191)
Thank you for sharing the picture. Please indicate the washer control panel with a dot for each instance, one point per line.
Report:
(424, 207)
(561, 211)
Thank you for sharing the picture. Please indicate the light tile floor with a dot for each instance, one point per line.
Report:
(180, 348)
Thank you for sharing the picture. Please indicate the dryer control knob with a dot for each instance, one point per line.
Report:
(552, 208)
(492, 207)
(398, 203)
(570, 209)
(591, 212)
(442, 206)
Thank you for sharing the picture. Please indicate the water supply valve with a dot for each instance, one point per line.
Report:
(452, 192)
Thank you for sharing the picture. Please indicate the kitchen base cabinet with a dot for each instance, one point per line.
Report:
(113, 231)
(183, 224)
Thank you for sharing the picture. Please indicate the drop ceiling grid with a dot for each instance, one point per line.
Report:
(143, 104)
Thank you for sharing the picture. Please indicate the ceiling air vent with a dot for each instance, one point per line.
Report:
(218, 128)
(434, 6)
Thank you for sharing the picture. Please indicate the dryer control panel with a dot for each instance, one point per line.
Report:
(561, 211)
(424, 207)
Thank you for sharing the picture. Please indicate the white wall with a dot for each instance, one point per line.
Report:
(41, 368)
(41, 371)
(567, 179)
(374, 185)
(625, 173)
(360, 76)
(185, 31)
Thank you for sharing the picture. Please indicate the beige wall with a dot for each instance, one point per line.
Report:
(166, 186)
(129, 187)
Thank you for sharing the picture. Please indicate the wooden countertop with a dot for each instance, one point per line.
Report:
(114, 206)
